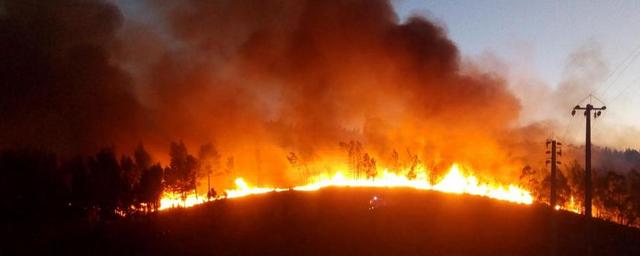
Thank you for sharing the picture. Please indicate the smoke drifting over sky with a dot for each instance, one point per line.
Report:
(258, 78)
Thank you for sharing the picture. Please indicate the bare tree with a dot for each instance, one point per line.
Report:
(413, 165)
(369, 166)
(354, 152)
(395, 161)
(297, 163)
(209, 163)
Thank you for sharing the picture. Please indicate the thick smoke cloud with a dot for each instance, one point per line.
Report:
(302, 76)
(258, 78)
(59, 89)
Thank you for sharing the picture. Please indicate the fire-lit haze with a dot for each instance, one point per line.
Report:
(291, 94)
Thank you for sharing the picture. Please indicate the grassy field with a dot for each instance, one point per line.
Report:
(338, 221)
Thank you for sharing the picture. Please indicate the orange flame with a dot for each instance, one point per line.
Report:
(455, 181)
(570, 206)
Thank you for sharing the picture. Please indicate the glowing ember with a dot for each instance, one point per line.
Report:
(455, 181)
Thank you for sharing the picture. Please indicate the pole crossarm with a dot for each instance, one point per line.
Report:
(592, 108)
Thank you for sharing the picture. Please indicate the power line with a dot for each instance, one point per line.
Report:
(567, 128)
(590, 97)
(634, 81)
(632, 93)
(598, 99)
(617, 71)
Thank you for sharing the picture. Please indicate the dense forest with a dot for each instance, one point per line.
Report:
(38, 186)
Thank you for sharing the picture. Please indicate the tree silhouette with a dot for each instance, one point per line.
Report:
(209, 159)
(107, 184)
(38, 185)
(147, 182)
(563, 190)
(354, 152)
(369, 166)
(575, 177)
(294, 161)
(150, 188)
(229, 165)
(31, 185)
(633, 209)
(530, 178)
(612, 195)
(212, 194)
(142, 157)
(130, 179)
(395, 161)
(413, 165)
(80, 197)
(180, 176)
(301, 167)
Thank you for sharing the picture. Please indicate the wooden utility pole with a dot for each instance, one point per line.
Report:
(587, 172)
(555, 152)
(587, 153)
(553, 200)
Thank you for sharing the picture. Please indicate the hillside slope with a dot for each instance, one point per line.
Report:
(338, 221)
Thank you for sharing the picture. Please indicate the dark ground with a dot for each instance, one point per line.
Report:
(338, 222)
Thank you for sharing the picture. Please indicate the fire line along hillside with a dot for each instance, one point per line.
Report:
(341, 221)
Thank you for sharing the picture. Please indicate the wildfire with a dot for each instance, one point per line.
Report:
(172, 200)
(571, 206)
(455, 181)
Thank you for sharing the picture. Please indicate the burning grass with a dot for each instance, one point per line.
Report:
(458, 180)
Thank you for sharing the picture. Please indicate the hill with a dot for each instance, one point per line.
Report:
(338, 221)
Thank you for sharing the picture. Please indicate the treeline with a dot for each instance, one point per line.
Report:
(37, 185)
(616, 193)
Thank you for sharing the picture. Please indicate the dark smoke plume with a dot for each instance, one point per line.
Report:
(258, 78)
(59, 89)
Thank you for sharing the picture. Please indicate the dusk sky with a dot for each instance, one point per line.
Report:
(535, 39)
(536, 35)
